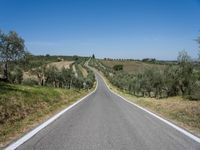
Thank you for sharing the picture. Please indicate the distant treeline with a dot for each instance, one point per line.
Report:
(148, 60)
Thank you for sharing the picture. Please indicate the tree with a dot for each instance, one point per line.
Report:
(52, 74)
(77, 82)
(12, 48)
(118, 67)
(148, 76)
(185, 73)
(171, 80)
(93, 56)
(40, 73)
(67, 77)
(183, 57)
(16, 76)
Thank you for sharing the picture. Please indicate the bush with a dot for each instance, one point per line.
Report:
(77, 83)
(195, 93)
(30, 82)
(193, 97)
(118, 67)
(16, 76)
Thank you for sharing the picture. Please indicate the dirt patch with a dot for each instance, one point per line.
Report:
(28, 75)
(61, 64)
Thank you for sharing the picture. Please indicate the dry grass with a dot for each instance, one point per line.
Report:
(182, 112)
(61, 64)
(131, 66)
(83, 70)
(28, 75)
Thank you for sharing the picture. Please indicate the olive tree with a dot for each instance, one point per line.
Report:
(12, 48)
(67, 75)
(40, 73)
(185, 73)
(52, 74)
(16, 76)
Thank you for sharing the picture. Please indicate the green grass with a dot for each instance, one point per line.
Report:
(22, 107)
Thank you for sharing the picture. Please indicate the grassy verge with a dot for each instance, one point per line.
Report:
(24, 107)
(181, 112)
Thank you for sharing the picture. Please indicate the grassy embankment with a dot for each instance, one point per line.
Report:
(182, 112)
(23, 107)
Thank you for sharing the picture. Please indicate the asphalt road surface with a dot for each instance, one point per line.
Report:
(104, 121)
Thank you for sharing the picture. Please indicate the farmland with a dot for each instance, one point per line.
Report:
(131, 66)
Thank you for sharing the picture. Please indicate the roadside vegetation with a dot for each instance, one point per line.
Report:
(180, 111)
(23, 107)
(156, 81)
(170, 89)
(35, 87)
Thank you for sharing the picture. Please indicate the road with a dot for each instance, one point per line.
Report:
(104, 121)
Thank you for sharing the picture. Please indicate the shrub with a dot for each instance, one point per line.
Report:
(16, 76)
(118, 67)
(30, 82)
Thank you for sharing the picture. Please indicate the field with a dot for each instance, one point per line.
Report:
(131, 66)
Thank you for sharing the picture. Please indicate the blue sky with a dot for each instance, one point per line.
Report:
(108, 28)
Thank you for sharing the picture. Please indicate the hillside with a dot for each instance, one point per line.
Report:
(27, 103)
(131, 66)
(23, 107)
(179, 109)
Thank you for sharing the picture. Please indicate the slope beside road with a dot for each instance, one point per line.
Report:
(104, 121)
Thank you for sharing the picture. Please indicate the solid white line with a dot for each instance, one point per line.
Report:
(43, 125)
(195, 138)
